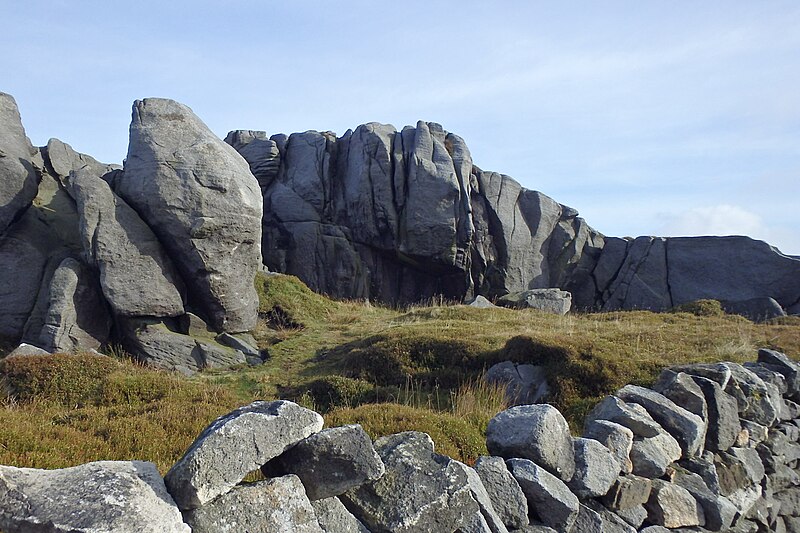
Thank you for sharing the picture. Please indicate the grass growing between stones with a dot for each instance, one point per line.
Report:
(389, 369)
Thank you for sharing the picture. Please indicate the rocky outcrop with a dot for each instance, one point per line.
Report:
(401, 216)
(199, 197)
(17, 175)
(81, 266)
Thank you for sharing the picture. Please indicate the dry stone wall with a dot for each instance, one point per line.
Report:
(711, 447)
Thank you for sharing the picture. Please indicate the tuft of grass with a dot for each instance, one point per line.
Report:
(453, 436)
(700, 308)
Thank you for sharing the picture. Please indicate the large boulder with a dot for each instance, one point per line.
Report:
(421, 491)
(549, 300)
(525, 384)
(125, 252)
(201, 200)
(536, 432)
(18, 178)
(271, 506)
(331, 462)
(100, 497)
(596, 469)
(234, 445)
(162, 344)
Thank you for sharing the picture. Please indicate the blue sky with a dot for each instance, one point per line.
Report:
(661, 118)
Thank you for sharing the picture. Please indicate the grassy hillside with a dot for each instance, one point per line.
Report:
(422, 365)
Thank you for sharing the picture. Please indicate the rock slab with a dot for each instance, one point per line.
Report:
(234, 445)
(99, 497)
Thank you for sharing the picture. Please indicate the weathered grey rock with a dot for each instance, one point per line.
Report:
(535, 528)
(615, 410)
(17, 174)
(634, 516)
(489, 516)
(271, 506)
(660, 273)
(723, 415)
(525, 384)
(74, 313)
(504, 491)
(770, 376)
(27, 349)
(719, 512)
(687, 428)
(333, 517)
(549, 300)
(789, 501)
(30, 250)
(247, 348)
(756, 309)
(755, 432)
(475, 523)
(234, 445)
(481, 303)
(617, 438)
(627, 492)
(548, 497)
(783, 364)
(201, 200)
(537, 432)
(61, 159)
(607, 521)
(421, 491)
(154, 343)
(596, 469)
(331, 462)
(652, 455)
(100, 497)
(673, 506)
(136, 274)
(739, 477)
(261, 153)
(760, 403)
(681, 389)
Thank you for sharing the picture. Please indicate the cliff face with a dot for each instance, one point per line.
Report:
(402, 216)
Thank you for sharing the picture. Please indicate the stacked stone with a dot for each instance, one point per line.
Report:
(712, 447)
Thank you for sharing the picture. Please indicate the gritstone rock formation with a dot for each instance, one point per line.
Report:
(160, 255)
(91, 253)
(401, 216)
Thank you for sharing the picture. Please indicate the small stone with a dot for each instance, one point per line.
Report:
(651, 456)
(723, 415)
(596, 469)
(627, 492)
(549, 499)
(615, 410)
(687, 428)
(421, 491)
(333, 517)
(506, 495)
(617, 438)
(672, 506)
